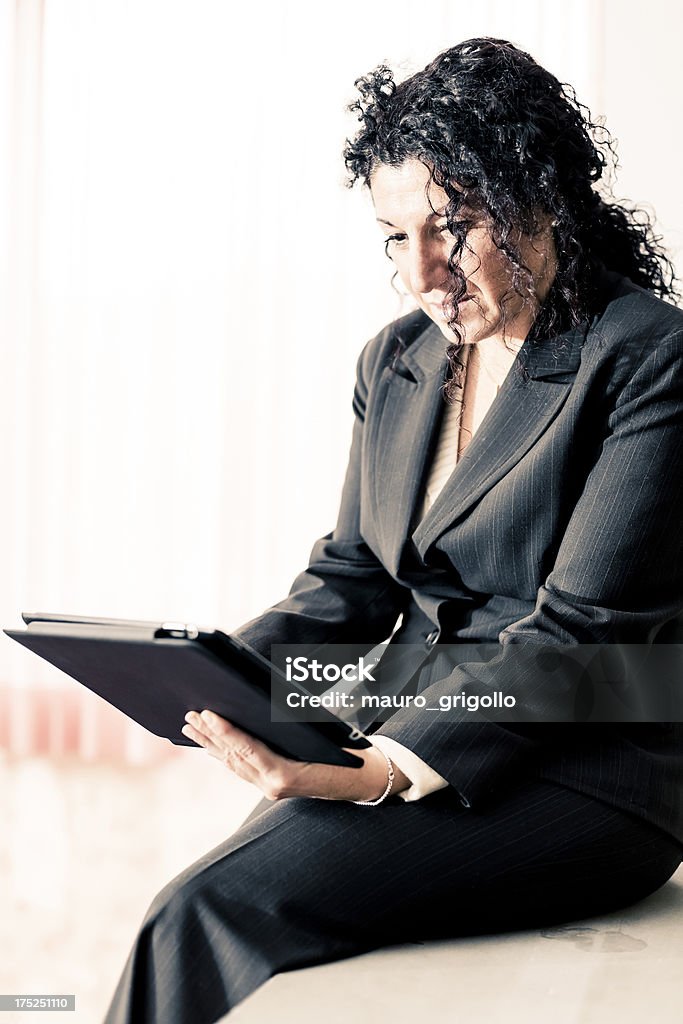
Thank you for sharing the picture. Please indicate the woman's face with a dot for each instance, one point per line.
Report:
(419, 243)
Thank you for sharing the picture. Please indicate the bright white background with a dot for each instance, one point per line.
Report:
(185, 282)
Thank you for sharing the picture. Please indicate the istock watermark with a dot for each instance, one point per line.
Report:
(506, 683)
(304, 670)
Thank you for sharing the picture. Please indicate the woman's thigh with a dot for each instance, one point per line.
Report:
(540, 854)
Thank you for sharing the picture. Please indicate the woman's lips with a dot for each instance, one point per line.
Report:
(437, 308)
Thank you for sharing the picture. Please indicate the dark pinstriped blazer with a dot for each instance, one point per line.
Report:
(560, 524)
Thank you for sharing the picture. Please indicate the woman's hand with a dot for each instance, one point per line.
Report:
(278, 777)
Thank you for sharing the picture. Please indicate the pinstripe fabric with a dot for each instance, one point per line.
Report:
(308, 881)
(560, 524)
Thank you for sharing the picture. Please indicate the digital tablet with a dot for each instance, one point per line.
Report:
(156, 672)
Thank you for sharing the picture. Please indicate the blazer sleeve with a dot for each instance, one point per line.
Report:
(345, 595)
(617, 577)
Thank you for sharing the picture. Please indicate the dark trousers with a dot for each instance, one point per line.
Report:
(308, 881)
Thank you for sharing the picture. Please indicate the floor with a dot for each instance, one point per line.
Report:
(84, 848)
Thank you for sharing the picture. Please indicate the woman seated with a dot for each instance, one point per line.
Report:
(514, 479)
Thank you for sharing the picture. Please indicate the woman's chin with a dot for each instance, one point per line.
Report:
(463, 337)
(441, 322)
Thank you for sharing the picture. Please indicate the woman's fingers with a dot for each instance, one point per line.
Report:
(246, 756)
(220, 751)
(236, 742)
(199, 737)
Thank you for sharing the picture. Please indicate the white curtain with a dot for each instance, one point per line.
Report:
(186, 285)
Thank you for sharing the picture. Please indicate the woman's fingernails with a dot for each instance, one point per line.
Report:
(191, 716)
(207, 717)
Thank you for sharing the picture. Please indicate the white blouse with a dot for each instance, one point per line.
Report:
(486, 366)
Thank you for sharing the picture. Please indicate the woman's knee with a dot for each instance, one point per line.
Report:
(184, 898)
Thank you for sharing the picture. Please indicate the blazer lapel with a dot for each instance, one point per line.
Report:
(410, 404)
(526, 404)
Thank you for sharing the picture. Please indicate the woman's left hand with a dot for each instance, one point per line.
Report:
(278, 777)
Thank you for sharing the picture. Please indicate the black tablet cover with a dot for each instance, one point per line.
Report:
(155, 673)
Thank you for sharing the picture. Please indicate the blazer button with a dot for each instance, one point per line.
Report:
(432, 637)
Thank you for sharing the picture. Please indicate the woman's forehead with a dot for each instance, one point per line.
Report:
(407, 185)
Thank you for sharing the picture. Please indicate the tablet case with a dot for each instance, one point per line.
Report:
(155, 673)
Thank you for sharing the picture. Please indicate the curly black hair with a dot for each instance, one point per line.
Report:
(505, 139)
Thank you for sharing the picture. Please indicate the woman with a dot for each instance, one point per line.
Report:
(538, 504)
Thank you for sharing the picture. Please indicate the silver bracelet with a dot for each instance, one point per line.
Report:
(387, 791)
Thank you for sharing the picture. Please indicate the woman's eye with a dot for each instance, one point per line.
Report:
(393, 242)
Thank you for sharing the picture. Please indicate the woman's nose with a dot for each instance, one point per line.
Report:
(428, 267)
